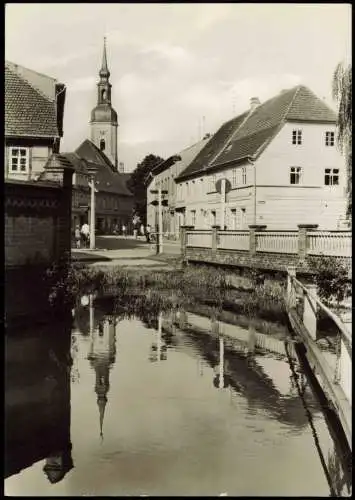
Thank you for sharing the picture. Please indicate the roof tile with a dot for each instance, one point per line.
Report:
(27, 111)
(250, 132)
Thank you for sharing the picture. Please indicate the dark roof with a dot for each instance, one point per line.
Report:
(28, 112)
(79, 164)
(247, 135)
(182, 159)
(107, 178)
(212, 148)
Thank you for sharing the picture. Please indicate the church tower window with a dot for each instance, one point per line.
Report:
(102, 145)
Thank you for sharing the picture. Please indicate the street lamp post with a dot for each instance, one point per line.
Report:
(92, 172)
(160, 192)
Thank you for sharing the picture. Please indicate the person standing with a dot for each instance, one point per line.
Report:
(85, 231)
(142, 230)
(123, 230)
(147, 233)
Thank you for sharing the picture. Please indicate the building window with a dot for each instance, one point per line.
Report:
(329, 138)
(102, 145)
(244, 175)
(331, 177)
(296, 136)
(19, 160)
(193, 217)
(234, 177)
(295, 175)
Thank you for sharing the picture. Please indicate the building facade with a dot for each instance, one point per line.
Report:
(163, 177)
(281, 167)
(34, 110)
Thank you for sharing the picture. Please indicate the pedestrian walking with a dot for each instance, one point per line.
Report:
(85, 231)
(147, 233)
(135, 233)
(77, 237)
(142, 230)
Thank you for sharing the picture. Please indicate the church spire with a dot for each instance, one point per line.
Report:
(104, 72)
(101, 402)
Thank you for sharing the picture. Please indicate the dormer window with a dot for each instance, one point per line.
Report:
(102, 145)
(329, 138)
(297, 137)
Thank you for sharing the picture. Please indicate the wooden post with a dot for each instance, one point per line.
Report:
(160, 224)
(92, 213)
(215, 230)
(345, 370)
(310, 311)
(291, 292)
(183, 236)
(253, 228)
(302, 239)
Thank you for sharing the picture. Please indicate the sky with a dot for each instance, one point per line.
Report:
(178, 70)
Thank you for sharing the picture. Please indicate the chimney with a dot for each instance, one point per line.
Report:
(254, 103)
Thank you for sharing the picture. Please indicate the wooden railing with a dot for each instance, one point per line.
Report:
(334, 369)
(337, 243)
(233, 240)
(294, 243)
(277, 241)
(199, 238)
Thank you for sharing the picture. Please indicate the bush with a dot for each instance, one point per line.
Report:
(331, 277)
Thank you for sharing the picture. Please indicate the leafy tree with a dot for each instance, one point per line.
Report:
(138, 184)
(342, 93)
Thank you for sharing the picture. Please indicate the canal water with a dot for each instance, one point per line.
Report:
(177, 404)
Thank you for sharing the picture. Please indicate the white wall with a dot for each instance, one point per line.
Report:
(108, 132)
(281, 205)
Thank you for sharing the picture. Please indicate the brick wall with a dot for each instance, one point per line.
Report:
(37, 234)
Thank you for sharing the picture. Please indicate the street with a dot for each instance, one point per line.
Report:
(128, 242)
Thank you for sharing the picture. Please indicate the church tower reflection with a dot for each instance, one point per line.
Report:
(102, 356)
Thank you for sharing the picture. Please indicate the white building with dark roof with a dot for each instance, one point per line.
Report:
(282, 163)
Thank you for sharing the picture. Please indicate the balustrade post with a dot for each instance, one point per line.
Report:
(183, 239)
(215, 230)
(345, 370)
(253, 228)
(291, 292)
(310, 310)
(302, 239)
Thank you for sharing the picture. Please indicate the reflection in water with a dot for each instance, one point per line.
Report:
(180, 431)
(102, 356)
(37, 400)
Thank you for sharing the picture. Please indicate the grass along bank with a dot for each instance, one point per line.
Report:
(172, 288)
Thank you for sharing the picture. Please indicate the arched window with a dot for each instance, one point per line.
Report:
(103, 94)
(102, 145)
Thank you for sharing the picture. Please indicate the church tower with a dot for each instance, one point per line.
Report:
(103, 123)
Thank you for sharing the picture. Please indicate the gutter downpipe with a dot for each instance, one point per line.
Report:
(253, 163)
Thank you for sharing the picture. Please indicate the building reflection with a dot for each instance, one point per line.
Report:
(102, 356)
(37, 399)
